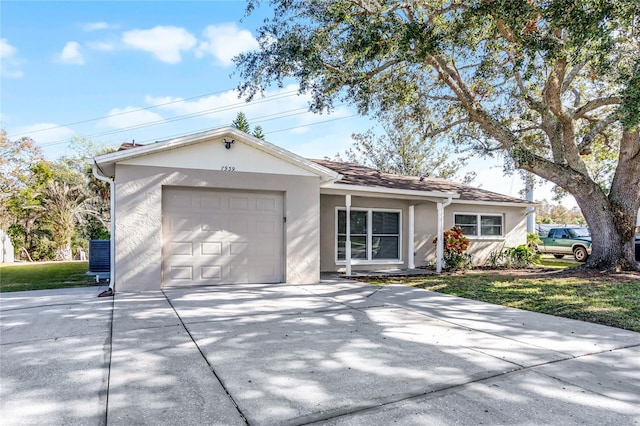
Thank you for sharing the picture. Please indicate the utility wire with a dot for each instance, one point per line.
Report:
(177, 135)
(178, 117)
(88, 120)
(265, 99)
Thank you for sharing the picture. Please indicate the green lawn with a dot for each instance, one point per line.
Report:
(40, 276)
(613, 302)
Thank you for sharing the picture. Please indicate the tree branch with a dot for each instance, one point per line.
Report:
(572, 75)
(587, 140)
(595, 104)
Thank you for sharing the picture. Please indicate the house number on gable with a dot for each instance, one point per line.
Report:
(228, 168)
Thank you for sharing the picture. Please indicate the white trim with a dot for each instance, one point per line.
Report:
(440, 241)
(371, 262)
(478, 216)
(347, 240)
(368, 261)
(112, 219)
(523, 204)
(382, 191)
(411, 264)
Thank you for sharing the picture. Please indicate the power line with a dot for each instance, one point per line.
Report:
(176, 135)
(123, 113)
(178, 117)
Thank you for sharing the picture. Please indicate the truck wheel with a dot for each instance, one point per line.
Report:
(558, 256)
(580, 253)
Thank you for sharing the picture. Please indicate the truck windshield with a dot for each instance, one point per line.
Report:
(579, 232)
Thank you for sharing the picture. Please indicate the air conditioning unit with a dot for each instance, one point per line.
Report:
(99, 256)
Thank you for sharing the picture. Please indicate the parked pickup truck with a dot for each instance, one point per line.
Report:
(567, 241)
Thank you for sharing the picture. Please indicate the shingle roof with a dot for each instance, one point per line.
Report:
(358, 175)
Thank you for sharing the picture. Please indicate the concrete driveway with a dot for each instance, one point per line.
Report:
(340, 353)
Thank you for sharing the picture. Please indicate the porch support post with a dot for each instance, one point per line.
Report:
(440, 241)
(411, 264)
(347, 243)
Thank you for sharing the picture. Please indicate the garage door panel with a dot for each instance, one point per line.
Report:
(181, 249)
(210, 201)
(181, 273)
(181, 224)
(211, 272)
(211, 249)
(212, 237)
(266, 248)
(212, 223)
(239, 202)
(240, 226)
(266, 204)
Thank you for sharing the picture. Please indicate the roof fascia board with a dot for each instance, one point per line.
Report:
(496, 203)
(371, 191)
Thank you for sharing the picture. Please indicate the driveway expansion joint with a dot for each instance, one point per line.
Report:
(213, 371)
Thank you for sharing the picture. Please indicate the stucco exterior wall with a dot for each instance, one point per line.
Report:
(328, 204)
(426, 227)
(138, 196)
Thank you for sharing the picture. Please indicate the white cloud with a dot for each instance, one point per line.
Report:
(279, 109)
(94, 26)
(71, 54)
(9, 60)
(100, 45)
(226, 41)
(165, 43)
(129, 117)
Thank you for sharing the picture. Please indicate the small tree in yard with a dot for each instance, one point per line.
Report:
(553, 85)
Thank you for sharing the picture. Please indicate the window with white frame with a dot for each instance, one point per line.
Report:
(479, 224)
(375, 235)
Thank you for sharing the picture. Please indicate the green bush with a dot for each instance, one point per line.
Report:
(455, 245)
(521, 256)
(457, 261)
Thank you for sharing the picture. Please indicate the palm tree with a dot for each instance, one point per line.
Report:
(65, 206)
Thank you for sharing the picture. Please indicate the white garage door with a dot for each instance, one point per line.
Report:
(219, 237)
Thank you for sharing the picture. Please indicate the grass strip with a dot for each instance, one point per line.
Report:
(609, 302)
(41, 276)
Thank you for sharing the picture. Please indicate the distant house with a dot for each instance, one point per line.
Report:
(6, 248)
(224, 207)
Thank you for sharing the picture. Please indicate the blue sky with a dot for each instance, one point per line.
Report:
(121, 70)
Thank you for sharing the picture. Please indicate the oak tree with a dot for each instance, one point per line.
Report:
(540, 81)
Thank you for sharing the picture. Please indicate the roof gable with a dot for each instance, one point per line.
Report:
(208, 151)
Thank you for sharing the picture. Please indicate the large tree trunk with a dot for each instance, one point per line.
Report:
(611, 234)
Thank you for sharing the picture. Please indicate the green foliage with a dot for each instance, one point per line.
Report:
(241, 123)
(52, 207)
(454, 248)
(406, 148)
(521, 256)
(457, 261)
(495, 259)
(258, 133)
(547, 213)
(533, 239)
